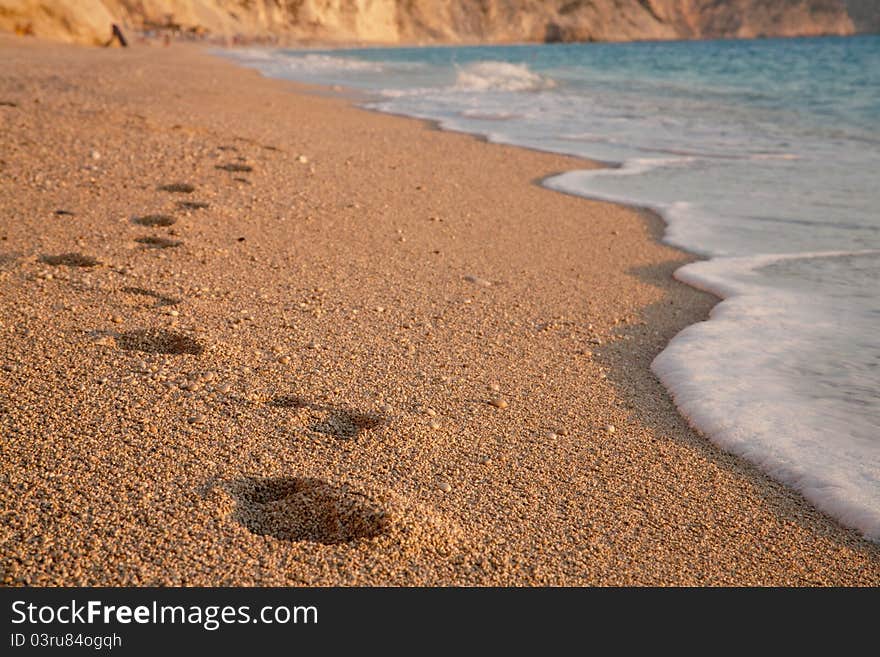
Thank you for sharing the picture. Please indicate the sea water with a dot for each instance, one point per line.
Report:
(763, 157)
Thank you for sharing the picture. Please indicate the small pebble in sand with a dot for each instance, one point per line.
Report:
(196, 419)
(284, 360)
(444, 486)
(117, 319)
(610, 428)
(302, 159)
(434, 424)
(485, 460)
(498, 403)
(314, 344)
(431, 412)
(224, 388)
(552, 435)
(494, 387)
(173, 313)
(96, 155)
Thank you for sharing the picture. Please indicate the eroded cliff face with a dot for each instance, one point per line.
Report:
(445, 21)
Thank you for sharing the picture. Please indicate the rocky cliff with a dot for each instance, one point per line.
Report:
(448, 21)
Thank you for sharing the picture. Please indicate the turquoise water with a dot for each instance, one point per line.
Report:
(763, 157)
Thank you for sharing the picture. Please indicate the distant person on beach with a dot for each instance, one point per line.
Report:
(117, 36)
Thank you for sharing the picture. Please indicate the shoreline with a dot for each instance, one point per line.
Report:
(687, 406)
(375, 420)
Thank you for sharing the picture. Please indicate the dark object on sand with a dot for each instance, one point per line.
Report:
(117, 36)
(235, 168)
(192, 205)
(178, 188)
(70, 260)
(154, 220)
(158, 242)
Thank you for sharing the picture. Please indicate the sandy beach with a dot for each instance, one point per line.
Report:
(253, 335)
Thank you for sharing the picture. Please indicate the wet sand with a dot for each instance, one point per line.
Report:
(252, 335)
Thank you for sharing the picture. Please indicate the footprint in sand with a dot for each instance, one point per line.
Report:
(318, 511)
(158, 242)
(70, 260)
(192, 205)
(159, 341)
(234, 167)
(289, 401)
(161, 299)
(347, 425)
(342, 423)
(306, 509)
(155, 220)
(177, 188)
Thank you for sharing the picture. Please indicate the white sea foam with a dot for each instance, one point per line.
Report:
(278, 64)
(736, 379)
(500, 76)
(483, 115)
(685, 226)
(775, 156)
(313, 63)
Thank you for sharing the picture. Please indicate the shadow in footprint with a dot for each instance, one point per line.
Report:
(177, 188)
(192, 205)
(8, 103)
(159, 341)
(306, 509)
(64, 213)
(235, 168)
(154, 220)
(161, 299)
(70, 260)
(289, 401)
(158, 242)
(346, 424)
(343, 423)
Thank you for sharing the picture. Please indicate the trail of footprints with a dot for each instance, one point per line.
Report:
(286, 508)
